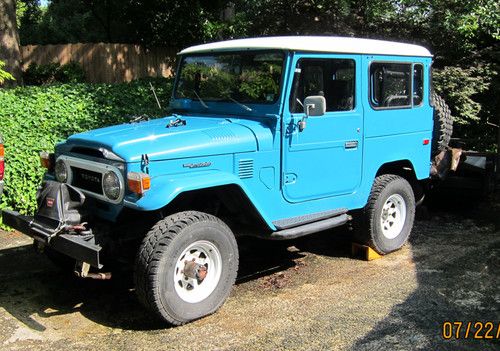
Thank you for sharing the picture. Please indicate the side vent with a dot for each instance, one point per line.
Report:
(245, 169)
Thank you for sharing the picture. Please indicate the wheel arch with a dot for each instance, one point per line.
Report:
(406, 170)
(170, 194)
(229, 201)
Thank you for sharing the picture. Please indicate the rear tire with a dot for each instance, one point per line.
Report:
(165, 281)
(387, 219)
(443, 125)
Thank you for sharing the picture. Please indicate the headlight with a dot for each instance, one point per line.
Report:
(61, 171)
(111, 185)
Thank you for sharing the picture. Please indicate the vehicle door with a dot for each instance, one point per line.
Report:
(323, 159)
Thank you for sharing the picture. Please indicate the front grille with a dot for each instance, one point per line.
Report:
(87, 180)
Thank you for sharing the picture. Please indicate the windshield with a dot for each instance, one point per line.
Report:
(241, 78)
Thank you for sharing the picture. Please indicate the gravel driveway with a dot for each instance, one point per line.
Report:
(309, 294)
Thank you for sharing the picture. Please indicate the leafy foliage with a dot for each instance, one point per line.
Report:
(4, 75)
(172, 23)
(33, 119)
(71, 72)
(471, 91)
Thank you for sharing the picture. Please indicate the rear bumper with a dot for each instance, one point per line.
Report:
(74, 246)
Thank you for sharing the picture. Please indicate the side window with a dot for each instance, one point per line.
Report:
(418, 84)
(390, 84)
(332, 78)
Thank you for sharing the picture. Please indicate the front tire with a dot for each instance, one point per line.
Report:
(387, 219)
(186, 266)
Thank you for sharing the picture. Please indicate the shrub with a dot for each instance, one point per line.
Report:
(53, 72)
(70, 73)
(471, 94)
(33, 119)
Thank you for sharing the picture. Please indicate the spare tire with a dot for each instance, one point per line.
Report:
(443, 125)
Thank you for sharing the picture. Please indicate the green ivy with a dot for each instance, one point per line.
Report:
(33, 119)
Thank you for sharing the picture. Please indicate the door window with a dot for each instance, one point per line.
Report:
(332, 78)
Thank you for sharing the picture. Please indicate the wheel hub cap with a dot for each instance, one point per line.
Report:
(393, 216)
(197, 271)
(194, 270)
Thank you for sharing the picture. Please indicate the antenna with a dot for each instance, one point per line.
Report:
(154, 93)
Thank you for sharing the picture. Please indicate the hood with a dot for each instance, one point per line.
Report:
(200, 136)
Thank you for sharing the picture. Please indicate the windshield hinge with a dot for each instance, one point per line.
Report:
(176, 122)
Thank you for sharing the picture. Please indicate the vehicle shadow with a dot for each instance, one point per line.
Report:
(456, 251)
(32, 288)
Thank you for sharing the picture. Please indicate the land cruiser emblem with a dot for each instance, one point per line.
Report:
(196, 165)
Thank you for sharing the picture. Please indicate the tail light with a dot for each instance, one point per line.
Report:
(2, 161)
(138, 183)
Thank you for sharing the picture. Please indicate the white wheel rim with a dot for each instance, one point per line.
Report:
(203, 253)
(393, 216)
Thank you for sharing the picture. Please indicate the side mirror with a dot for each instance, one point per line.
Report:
(313, 106)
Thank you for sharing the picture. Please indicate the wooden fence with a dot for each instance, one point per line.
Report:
(105, 63)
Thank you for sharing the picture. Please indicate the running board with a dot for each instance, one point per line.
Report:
(306, 219)
(310, 228)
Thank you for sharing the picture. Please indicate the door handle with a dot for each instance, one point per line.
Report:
(353, 144)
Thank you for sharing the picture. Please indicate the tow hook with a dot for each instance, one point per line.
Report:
(82, 271)
(195, 270)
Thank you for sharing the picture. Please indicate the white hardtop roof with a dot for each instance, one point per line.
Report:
(314, 44)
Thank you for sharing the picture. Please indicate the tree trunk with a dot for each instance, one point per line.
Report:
(9, 41)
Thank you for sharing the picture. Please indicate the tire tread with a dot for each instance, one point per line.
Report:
(365, 221)
(149, 256)
(443, 125)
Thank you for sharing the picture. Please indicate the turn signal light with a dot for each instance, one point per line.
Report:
(47, 160)
(138, 182)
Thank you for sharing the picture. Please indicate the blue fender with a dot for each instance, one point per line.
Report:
(164, 189)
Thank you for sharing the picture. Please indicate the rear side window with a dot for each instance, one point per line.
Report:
(390, 84)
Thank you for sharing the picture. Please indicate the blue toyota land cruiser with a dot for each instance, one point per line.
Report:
(276, 137)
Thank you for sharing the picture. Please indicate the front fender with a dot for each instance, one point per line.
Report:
(164, 189)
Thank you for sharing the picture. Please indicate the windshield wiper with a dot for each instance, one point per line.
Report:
(243, 106)
(199, 98)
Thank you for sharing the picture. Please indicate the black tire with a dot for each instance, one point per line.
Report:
(161, 251)
(443, 125)
(368, 226)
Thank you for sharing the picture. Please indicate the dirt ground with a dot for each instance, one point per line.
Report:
(309, 294)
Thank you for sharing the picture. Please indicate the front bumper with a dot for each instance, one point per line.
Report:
(74, 246)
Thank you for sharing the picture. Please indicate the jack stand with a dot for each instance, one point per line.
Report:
(364, 252)
(82, 269)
